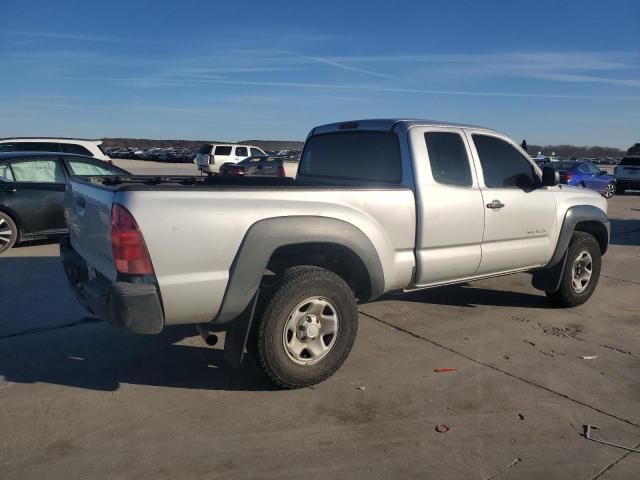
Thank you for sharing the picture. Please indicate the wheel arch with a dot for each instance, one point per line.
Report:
(581, 218)
(281, 242)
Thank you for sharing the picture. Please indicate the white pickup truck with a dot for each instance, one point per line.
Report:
(280, 264)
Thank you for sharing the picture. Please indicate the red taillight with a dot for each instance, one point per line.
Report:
(237, 170)
(129, 250)
(569, 177)
(281, 172)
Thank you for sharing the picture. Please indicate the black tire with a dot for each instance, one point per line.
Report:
(568, 295)
(8, 232)
(297, 285)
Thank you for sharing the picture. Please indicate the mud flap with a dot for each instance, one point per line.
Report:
(237, 334)
(548, 279)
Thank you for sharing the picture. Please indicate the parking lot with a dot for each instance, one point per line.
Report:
(79, 399)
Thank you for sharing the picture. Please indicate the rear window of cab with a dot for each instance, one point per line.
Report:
(359, 155)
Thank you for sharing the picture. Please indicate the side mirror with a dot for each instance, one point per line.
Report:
(550, 177)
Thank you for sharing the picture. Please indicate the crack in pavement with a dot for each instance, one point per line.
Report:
(621, 279)
(31, 331)
(613, 464)
(492, 367)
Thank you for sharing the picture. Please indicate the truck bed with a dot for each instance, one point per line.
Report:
(194, 227)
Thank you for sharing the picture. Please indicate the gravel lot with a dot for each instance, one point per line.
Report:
(79, 399)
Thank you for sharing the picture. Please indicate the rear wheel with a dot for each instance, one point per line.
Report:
(8, 232)
(307, 329)
(581, 272)
(610, 190)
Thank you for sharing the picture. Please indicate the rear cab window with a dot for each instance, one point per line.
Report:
(372, 156)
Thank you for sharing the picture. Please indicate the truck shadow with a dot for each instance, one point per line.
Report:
(466, 295)
(96, 356)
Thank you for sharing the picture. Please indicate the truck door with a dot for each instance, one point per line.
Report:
(520, 215)
(449, 206)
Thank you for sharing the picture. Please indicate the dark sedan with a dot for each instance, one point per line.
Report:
(32, 186)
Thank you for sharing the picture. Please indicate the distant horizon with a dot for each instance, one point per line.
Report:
(287, 67)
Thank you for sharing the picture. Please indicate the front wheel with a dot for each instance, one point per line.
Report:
(307, 329)
(610, 190)
(581, 272)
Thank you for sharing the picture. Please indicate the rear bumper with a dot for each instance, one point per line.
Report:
(628, 183)
(134, 306)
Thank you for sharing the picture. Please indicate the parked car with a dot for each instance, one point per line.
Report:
(628, 174)
(32, 188)
(211, 156)
(262, 166)
(75, 146)
(377, 206)
(586, 174)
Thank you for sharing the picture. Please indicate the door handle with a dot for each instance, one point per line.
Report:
(495, 204)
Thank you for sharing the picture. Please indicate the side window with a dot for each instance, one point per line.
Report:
(503, 166)
(256, 151)
(78, 167)
(222, 150)
(75, 149)
(448, 158)
(40, 147)
(593, 168)
(584, 168)
(5, 172)
(241, 152)
(10, 147)
(43, 170)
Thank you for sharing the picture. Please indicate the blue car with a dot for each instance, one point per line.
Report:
(585, 174)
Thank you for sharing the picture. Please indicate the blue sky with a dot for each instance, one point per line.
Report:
(548, 71)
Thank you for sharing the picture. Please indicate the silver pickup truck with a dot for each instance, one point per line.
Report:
(280, 264)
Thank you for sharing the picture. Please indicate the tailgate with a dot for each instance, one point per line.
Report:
(87, 209)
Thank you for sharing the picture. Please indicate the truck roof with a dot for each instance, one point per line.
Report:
(389, 124)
